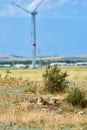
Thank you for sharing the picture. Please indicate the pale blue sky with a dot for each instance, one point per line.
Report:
(61, 28)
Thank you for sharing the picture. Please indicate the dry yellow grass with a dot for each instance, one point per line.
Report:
(31, 74)
(47, 120)
(75, 73)
(38, 119)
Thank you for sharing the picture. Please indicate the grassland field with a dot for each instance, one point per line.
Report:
(13, 90)
(75, 73)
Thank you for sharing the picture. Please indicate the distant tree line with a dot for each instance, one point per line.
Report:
(42, 62)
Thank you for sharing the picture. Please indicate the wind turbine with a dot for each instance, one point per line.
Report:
(34, 5)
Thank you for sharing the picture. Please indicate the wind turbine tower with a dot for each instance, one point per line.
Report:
(33, 6)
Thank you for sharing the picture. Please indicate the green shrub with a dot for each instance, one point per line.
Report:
(54, 79)
(77, 97)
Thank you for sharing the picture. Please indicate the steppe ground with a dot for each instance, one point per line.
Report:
(20, 87)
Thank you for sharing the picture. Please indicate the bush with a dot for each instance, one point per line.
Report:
(54, 79)
(77, 97)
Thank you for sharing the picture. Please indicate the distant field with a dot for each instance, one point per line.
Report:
(78, 74)
(75, 73)
(31, 74)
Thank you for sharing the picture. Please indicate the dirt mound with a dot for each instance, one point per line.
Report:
(42, 104)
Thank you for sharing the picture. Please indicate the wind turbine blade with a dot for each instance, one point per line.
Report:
(34, 5)
(38, 4)
(21, 8)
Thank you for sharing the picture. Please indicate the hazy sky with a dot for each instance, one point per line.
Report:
(61, 28)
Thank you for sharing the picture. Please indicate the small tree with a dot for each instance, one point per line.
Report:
(54, 79)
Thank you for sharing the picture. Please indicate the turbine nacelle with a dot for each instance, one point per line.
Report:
(34, 13)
